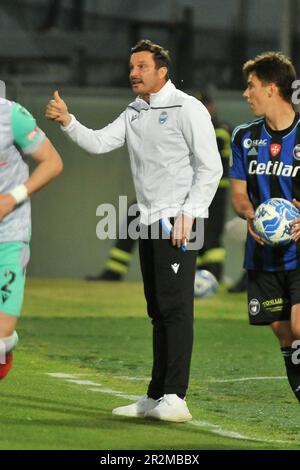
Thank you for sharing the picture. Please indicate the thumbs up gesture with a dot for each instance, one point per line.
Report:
(57, 110)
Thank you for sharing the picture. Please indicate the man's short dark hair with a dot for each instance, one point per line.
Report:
(273, 67)
(161, 56)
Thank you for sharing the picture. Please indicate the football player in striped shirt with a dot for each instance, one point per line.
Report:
(266, 163)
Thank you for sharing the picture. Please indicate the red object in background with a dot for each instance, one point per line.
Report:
(5, 368)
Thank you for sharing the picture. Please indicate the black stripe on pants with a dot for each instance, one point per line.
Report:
(170, 305)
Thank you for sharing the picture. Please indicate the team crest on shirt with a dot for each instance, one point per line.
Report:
(296, 152)
(163, 117)
(254, 307)
(275, 149)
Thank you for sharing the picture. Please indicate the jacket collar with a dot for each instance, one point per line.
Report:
(159, 98)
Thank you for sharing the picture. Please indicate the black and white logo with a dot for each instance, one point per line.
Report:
(175, 267)
(296, 152)
(254, 307)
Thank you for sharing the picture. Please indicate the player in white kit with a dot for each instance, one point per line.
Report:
(19, 136)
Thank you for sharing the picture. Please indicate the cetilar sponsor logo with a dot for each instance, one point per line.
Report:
(248, 143)
(272, 168)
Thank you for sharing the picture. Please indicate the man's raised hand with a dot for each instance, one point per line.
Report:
(57, 110)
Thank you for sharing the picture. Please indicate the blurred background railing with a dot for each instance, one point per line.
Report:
(86, 43)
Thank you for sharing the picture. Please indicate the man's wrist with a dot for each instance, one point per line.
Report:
(67, 120)
(19, 193)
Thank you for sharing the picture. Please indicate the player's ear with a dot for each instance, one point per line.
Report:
(272, 88)
(162, 72)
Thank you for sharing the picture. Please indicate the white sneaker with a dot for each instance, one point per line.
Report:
(137, 409)
(170, 408)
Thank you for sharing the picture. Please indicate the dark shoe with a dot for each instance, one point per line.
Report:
(105, 276)
(240, 286)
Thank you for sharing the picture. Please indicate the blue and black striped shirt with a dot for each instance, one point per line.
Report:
(270, 163)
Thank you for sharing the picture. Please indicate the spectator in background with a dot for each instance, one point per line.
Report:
(212, 255)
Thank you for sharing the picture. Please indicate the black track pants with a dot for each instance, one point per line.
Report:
(168, 275)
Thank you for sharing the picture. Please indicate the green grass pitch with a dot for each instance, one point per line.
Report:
(99, 334)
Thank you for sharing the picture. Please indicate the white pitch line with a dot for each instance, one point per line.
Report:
(115, 393)
(61, 375)
(215, 429)
(210, 427)
(245, 379)
(133, 379)
(241, 379)
(84, 382)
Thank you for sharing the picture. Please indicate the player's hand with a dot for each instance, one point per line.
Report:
(295, 224)
(57, 110)
(7, 204)
(182, 230)
(251, 230)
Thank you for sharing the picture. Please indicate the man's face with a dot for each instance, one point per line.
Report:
(257, 95)
(143, 76)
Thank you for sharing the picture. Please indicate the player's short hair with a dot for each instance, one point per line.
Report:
(273, 67)
(161, 56)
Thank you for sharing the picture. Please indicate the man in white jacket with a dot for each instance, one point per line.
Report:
(176, 170)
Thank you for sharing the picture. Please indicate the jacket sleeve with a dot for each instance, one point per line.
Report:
(199, 134)
(97, 141)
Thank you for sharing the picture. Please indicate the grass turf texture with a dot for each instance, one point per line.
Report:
(100, 331)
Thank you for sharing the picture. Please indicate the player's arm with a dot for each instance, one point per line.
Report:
(243, 206)
(93, 141)
(49, 165)
(32, 141)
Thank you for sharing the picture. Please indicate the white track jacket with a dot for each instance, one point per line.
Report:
(173, 152)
